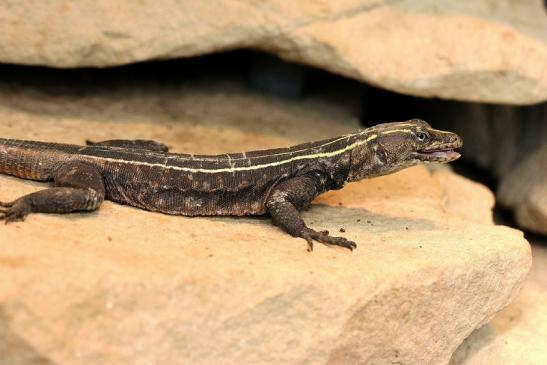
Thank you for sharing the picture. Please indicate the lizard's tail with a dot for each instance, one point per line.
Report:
(32, 160)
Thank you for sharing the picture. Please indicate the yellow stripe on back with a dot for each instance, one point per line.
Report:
(242, 168)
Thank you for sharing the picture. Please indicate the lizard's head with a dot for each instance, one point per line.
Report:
(395, 146)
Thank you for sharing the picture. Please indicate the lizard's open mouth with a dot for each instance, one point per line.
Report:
(441, 151)
(440, 155)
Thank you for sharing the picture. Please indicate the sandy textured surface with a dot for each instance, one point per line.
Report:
(122, 285)
(518, 334)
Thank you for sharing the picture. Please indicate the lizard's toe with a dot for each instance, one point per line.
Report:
(10, 217)
(324, 237)
(5, 205)
(310, 243)
(14, 212)
(350, 245)
(338, 241)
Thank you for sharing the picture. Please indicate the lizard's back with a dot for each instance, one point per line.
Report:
(185, 184)
(182, 184)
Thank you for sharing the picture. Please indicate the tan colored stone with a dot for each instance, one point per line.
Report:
(122, 285)
(478, 203)
(466, 50)
(525, 190)
(518, 334)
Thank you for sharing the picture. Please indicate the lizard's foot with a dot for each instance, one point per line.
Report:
(14, 211)
(323, 236)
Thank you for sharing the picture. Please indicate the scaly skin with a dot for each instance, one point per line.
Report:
(278, 182)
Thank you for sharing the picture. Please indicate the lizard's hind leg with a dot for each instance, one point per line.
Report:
(79, 186)
(139, 144)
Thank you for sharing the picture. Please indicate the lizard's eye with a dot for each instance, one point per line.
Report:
(421, 136)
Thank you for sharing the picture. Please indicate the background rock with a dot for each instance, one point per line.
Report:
(511, 143)
(525, 190)
(466, 50)
(122, 285)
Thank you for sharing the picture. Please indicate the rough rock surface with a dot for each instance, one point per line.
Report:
(467, 50)
(525, 190)
(122, 285)
(518, 334)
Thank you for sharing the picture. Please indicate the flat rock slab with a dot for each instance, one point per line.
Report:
(467, 50)
(122, 285)
(518, 334)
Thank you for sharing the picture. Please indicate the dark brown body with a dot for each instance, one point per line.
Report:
(279, 182)
(157, 181)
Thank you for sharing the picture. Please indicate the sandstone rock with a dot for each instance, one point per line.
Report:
(525, 190)
(517, 335)
(122, 285)
(466, 50)
(478, 203)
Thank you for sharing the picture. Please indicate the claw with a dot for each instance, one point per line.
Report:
(348, 244)
(12, 212)
(323, 236)
(310, 243)
(14, 217)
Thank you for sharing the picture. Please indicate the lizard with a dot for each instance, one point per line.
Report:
(279, 182)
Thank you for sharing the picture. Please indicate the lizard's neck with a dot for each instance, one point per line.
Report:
(370, 158)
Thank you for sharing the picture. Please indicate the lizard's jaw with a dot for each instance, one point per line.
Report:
(440, 155)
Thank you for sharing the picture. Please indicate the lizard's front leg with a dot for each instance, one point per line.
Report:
(78, 186)
(283, 204)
